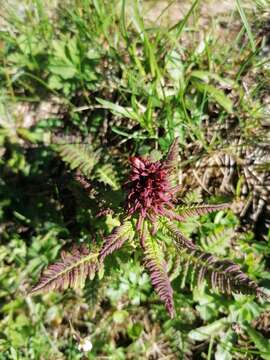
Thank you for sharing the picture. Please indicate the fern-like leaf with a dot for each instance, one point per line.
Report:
(81, 179)
(171, 161)
(184, 212)
(116, 239)
(157, 267)
(223, 275)
(217, 241)
(71, 271)
(179, 238)
(78, 156)
(106, 174)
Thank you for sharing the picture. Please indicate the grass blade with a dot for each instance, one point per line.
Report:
(246, 25)
(181, 24)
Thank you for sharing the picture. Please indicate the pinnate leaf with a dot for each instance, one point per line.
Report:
(71, 271)
(78, 156)
(157, 267)
(222, 274)
(185, 212)
(116, 239)
(171, 160)
(179, 238)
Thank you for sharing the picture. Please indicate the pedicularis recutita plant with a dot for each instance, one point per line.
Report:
(151, 207)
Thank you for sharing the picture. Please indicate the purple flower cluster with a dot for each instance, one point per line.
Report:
(150, 193)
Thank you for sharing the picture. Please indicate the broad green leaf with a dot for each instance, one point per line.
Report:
(55, 82)
(135, 330)
(217, 94)
(118, 110)
(206, 76)
(205, 332)
(175, 68)
(66, 71)
(262, 344)
(120, 316)
(73, 51)
(59, 49)
(224, 347)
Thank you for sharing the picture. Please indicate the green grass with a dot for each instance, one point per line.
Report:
(103, 79)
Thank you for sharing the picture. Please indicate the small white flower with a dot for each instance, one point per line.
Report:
(85, 345)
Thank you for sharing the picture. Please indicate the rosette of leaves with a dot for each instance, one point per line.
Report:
(150, 206)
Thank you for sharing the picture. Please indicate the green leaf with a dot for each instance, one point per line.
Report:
(59, 50)
(262, 344)
(206, 76)
(66, 71)
(78, 156)
(217, 94)
(135, 330)
(118, 110)
(73, 51)
(205, 332)
(175, 68)
(55, 82)
(107, 175)
(224, 348)
(120, 316)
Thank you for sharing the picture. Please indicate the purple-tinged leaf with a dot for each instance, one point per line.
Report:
(85, 184)
(180, 240)
(116, 239)
(71, 271)
(171, 161)
(184, 212)
(222, 274)
(157, 267)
